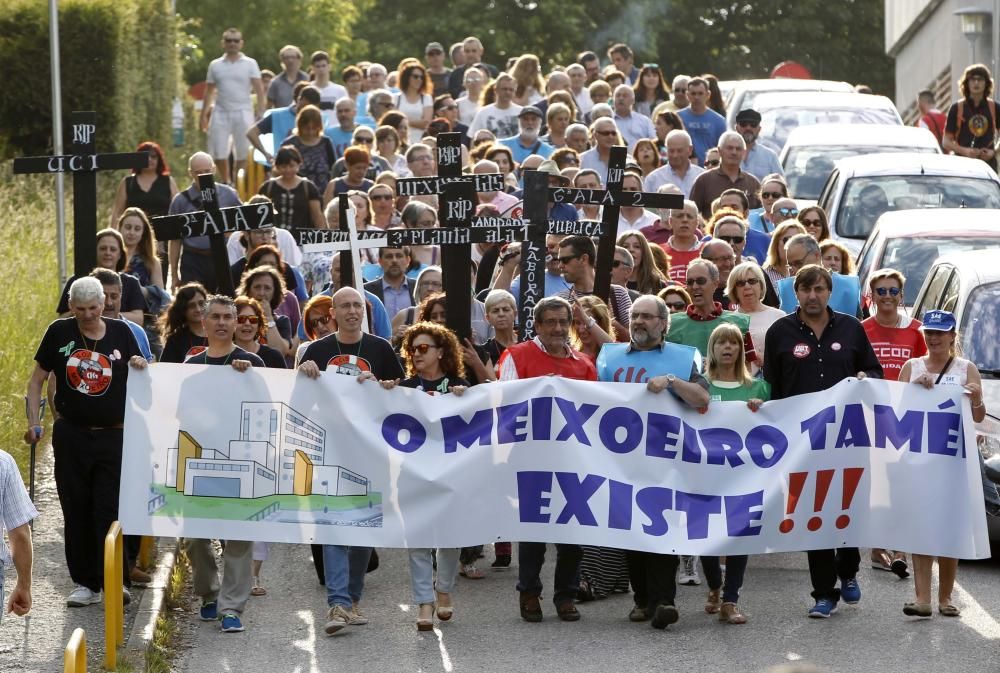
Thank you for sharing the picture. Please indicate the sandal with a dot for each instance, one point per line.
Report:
(917, 609)
(470, 571)
(425, 623)
(881, 560)
(949, 610)
(445, 610)
(899, 566)
(257, 589)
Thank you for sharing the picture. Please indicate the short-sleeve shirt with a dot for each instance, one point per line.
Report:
(371, 354)
(704, 129)
(181, 345)
(16, 509)
(437, 386)
(977, 123)
(895, 345)
(237, 353)
(90, 375)
(232, 80)
(709, 185)
(502, 123)
(280, 90)
(291, 206)
(725, 391)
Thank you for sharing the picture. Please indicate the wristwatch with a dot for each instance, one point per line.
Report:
(670, 381)
(271, 323)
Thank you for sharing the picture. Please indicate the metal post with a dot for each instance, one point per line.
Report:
(995, 34)
(57, 137)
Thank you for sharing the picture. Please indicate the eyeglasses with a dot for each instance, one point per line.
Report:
(700, 280)
(606, 133)
(421, 348)
(676, 305)
(645, 316)
(788, 212)
(720, 260)
(380, 197)
(617, 263)
(567, 259)
(431, 283)
(797, 263)
(322, 320)
(244, 319)
(452, 106)
(771, 195)
(712, 163)
(680, 90)
(367, 140)
(732, 240)
(749, 281)
(812, 223)
(554, 322)
(891, 291)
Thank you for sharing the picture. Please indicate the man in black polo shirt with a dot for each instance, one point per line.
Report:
(972, 122)
(807, 351)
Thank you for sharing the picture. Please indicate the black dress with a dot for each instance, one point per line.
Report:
(155, 202)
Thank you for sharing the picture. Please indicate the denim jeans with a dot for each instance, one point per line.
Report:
(345, 569)
(531, 557)
(736, 566)
(422, 573)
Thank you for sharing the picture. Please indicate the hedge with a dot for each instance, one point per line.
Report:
(118, 58)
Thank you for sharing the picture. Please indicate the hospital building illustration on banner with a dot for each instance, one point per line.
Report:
(279, 452)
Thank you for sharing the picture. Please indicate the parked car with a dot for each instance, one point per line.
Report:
(861, 188)
(744, 92)
(781, 113)
(811, 152)
(911, 241)
(968, 284)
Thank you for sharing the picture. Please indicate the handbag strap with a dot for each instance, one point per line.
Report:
(945, 369)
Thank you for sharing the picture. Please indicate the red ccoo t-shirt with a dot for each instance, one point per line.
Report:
(895, 345)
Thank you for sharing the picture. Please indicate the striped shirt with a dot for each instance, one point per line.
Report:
(16, 509)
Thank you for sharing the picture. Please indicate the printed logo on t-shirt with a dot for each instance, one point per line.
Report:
(88, 372)
(351, 365)
(194, 350)
(951, 380)
(801, 351)
(979, 124)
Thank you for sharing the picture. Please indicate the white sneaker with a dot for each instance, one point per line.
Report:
(336, 619)
(82, 597)
(356, 616)
(688, 572)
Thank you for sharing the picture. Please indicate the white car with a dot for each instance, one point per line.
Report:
(811, 152)
(781, 113)
(744, 92)
(861, 188)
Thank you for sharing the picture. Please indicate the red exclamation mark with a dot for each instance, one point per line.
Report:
(852, 477)
(796, 481)
(823, 479)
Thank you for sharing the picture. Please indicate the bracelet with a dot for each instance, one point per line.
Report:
(591, 323)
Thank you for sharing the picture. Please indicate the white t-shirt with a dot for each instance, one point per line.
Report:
(646, 218)
(289, 249)
(331, 93)
(232, 80)
(502, 123)
(414, 112)
(467, 109)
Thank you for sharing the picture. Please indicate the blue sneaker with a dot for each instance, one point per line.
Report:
(209, 612)
(850, 591)
(823, 609)
(231, 623)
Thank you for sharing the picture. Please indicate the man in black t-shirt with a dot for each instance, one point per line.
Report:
(230, 599)
(352, 352)
(89, 358)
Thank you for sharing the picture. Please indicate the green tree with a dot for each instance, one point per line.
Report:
(267, 26)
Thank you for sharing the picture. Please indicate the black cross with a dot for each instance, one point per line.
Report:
(83, 162)
(215, 223)
(457, 207)
(612, 198)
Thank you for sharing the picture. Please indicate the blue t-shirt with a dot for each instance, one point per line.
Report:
(520, 152)
(704, 130)
(341, 139)
(141, 338)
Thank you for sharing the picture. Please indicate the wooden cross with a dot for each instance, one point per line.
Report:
(215, 223)
(612, 198)
(83, 162)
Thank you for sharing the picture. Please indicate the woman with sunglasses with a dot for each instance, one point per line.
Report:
(363, 136)
(772, 188)
(251, 327)
(729, 380)
(896, 338)
(776, 266)
(383, 201)
(433, 361)
(814, 220)
(317, 322)
(745, 289)
(837, 258)
(650, 89)
(414, 99)
(676, 298)
(941, 365)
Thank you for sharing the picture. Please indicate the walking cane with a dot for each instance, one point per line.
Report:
(34, 444)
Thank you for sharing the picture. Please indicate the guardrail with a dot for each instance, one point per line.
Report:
(75, 654)
(114, 607)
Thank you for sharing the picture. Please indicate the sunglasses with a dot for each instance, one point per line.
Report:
(606, 133)
(749, 281)
(567, 259)
(771, 195)
(788, 212)
(617, 263)
(244, 319)
(421, 348)
(812, 223)
(380, 197)
(712, 163)
(367, 140)
(691, 282)
(891, 291)
(732, 240)
(676, 305)
(322, 320)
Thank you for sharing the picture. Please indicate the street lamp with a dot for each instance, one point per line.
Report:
(973, 22)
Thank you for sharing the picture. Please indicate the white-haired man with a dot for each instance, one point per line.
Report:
(729, 175)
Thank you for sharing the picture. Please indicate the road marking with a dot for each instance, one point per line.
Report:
(308, 644)
(974, 616)
(445, 658)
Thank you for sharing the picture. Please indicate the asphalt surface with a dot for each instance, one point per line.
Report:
(285, 628)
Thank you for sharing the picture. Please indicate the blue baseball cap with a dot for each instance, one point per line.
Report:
(939, 321)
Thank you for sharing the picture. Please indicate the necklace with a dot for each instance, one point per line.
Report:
(84, 338)
(340, 351)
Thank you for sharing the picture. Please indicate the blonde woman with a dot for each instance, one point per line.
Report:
(776, 266)
(527, 75)
(745, 289)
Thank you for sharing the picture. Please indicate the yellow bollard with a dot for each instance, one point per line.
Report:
(75, 655)
(147, 551)
(114, 609)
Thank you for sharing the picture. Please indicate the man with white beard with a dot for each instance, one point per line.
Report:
(526, 142)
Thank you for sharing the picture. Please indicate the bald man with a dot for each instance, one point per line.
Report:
(191, 258)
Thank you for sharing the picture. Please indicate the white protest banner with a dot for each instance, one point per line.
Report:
(274, 456)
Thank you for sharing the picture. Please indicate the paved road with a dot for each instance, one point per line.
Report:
(284, 629)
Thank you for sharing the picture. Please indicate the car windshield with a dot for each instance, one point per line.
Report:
(807, 168)
(913, 257)
(980, 327)
(777, 123)
(865, 199)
